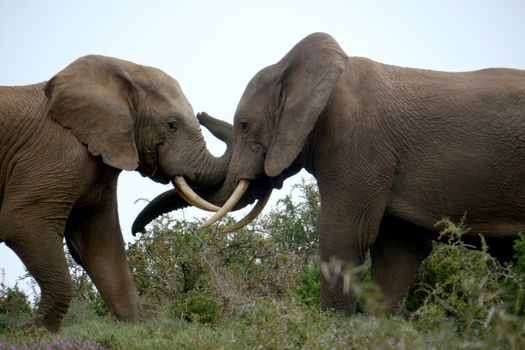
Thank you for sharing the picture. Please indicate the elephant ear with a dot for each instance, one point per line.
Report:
(307, 76)
(94, 98)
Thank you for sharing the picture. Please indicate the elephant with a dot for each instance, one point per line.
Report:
(393, 151)
(64, 143)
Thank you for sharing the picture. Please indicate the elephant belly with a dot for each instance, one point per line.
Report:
(492, 205)
(489, 223)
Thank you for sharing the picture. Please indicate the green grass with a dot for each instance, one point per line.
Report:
(270, 324)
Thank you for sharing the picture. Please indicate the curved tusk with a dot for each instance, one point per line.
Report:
(190, 196)
(229, 205)
(256, 210)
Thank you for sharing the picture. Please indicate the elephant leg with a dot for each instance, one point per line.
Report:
(346, 232)
(348, 254)
(396, 257)
(39, 244)
(95, 240)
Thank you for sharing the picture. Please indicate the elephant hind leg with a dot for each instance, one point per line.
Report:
(397, 254)
(42, 254)
(501, 248)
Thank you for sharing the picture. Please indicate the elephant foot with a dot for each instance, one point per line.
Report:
(333, 299)
(129, 318)
(37, 325)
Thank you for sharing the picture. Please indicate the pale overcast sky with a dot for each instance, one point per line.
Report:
(213, 48)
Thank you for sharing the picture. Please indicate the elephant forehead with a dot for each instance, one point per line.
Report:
(168, 97)
(156, 82)
(183, 107)
(256, 102)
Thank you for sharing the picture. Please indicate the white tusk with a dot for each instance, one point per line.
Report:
(229, 205)
(190, 196)
(256, 210)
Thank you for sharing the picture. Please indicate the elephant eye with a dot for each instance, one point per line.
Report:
(173, 125)
(244, 125)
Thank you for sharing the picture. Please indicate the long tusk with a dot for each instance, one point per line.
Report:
(190, 196)
(256, 210)
(229, 205)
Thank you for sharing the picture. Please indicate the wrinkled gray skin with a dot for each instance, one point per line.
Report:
(393, 150)
(63, 145)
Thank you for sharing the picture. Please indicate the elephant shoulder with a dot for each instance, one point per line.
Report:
(18, 101)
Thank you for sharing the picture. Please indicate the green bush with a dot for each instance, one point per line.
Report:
(465, 291)
(519, 256)
(515, 287)
(309, 286)
(197, 306)
(176, 261)
(292, 225)
(171, 263)
(14, 307)
(13, 301)
(167, 260)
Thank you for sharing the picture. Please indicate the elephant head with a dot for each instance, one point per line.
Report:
(136, 118)
(274, 118)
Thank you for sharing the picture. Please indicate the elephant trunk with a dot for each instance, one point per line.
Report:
(212, 170)
(163, 203)
(169, 201)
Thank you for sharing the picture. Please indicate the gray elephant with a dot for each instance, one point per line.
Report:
(393, 151)
(64, 143)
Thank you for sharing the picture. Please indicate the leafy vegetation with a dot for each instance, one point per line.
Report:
(14, 305)
(259, 289)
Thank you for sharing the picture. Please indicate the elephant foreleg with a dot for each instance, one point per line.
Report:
(346, 233)
(338, 254)
(95, 238)
(351, 213)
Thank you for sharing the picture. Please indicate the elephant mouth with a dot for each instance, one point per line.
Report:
(259, 189)
(153, 172)
(149, 166)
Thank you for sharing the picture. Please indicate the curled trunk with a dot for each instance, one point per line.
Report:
(169, 201)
